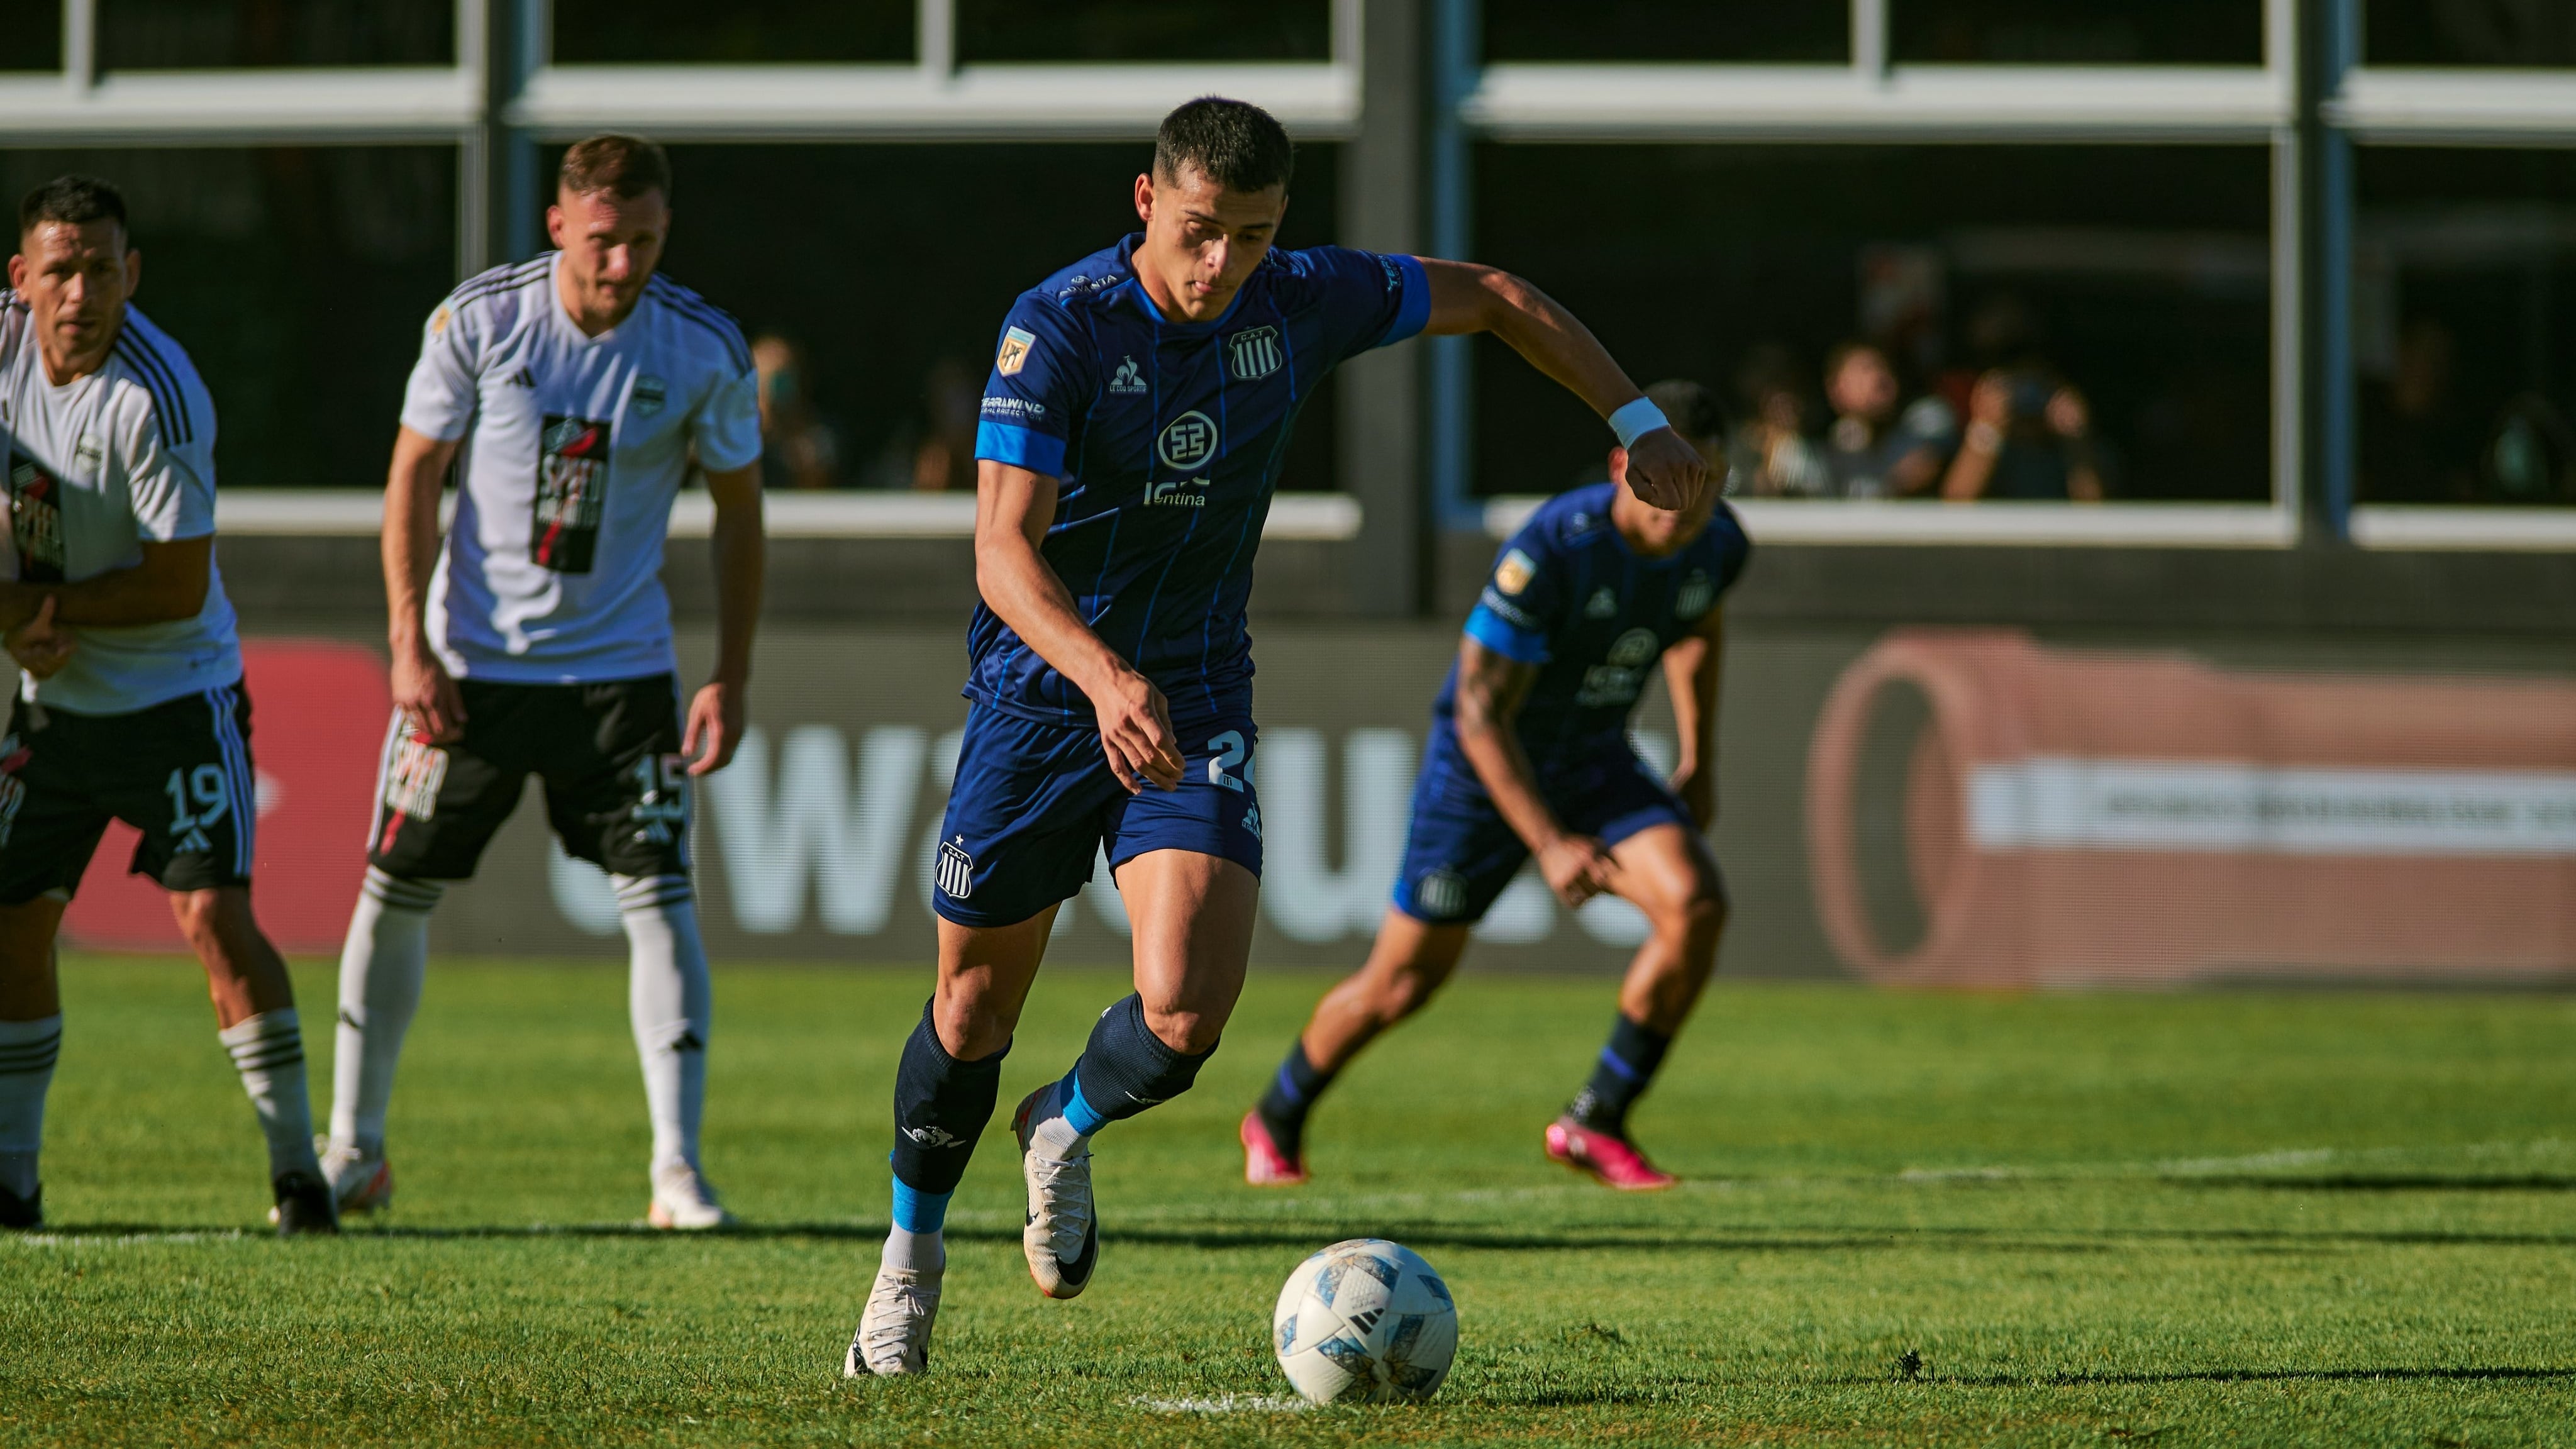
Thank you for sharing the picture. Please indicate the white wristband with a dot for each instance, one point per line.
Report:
(1636, 420)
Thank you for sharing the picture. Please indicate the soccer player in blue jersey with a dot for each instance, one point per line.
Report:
(1530, 756)
(1132, 432)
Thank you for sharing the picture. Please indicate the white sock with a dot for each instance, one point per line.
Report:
(380, 977)
(27, 1052)
(917, 1252)
(268, 1051)
(1053, 1136)
(669, 1001)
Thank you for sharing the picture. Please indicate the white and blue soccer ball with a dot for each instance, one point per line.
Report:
(1365, 1322)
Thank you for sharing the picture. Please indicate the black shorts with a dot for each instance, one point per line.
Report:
(617, 787)
(180, 772)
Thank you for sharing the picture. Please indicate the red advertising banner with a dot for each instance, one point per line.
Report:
(318, 712)
(2076, 817)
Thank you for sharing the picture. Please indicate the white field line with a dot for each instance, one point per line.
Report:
(1227, 1404)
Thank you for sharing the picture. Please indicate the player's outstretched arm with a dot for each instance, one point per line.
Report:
(1013, 507)
(421, 686)
(1491, 688)
(1662, 469)
(721, 708)
(1693, 667)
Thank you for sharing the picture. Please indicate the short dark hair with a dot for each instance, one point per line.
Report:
(1693, 410)
(1235, 144)
(71, 201)
(626, 165)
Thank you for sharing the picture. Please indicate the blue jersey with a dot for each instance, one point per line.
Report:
(1167, 438)
(1569, 596)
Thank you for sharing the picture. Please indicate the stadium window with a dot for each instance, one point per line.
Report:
(1667, 30)
(2139, 275)
(296, 277)
(1144, 30)
(2464, 326)
(2077, 32)
(666, 32)
(33, 41)
(2531, 34)
(221, 34)
(895, 336)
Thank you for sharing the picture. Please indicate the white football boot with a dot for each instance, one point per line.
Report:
(894, 1330)
(359, 1183)
(1061, 1238)
(683, 1202)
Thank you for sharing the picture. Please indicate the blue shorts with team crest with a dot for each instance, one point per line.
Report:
(1034, 805)
(1461, 853)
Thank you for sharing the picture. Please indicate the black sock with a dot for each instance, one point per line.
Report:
(1291, 1096)
(1627, 1065)
(940, 1107)
(1125, 1068)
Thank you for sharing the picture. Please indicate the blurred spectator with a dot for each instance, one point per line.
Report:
(797, 449)
(2418, 445)
(2030, 432)
(952, 399)
(2531, 459)
(1872, 450)
(1771, 456)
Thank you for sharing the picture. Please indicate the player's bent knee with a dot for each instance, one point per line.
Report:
(1191, 1033)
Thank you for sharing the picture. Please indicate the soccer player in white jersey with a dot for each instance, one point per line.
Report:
(132, 706)
(572, 393)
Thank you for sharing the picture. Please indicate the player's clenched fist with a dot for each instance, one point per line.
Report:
(1576, 867)
(1665, 471)
(1136, 733)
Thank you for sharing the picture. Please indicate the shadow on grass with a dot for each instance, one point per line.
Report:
(2387, 1182)
(1304, 1237)
(2253, 1376)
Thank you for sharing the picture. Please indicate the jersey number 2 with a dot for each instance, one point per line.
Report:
(1229, 751)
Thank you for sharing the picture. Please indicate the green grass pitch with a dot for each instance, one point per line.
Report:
(2232, 1218)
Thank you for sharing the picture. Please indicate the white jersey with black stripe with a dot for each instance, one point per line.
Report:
(98, 467)
(572, 450)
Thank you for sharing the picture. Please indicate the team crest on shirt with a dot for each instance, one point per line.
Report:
(1188, 441)
(956, 869)
(1441, 894)
(1602, 604)
(649, 395)
(1697, 592)
(1254, 353)
(1514, 573)
(1015, 351)
(439, 319)
(1128, 379)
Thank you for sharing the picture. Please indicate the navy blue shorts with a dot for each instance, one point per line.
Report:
(1461, 853)
(1035, 804)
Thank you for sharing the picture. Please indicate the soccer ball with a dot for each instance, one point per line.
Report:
(1366, 1322)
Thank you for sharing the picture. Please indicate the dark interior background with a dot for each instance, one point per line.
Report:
(2145, 266)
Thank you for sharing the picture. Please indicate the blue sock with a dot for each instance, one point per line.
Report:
(1078, 1114)
(916, 1211)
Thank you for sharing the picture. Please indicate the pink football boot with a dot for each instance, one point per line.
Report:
(1613, 1162)
(1264, 1165)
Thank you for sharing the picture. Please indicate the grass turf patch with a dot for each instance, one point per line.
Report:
(2219, 1218)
